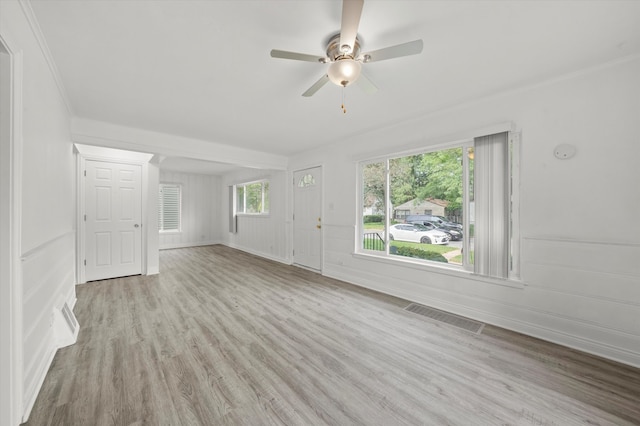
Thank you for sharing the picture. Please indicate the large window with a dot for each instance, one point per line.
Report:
(169, 207)
(252, 198)
(452, 205)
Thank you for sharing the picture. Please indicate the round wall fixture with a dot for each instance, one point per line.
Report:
(564, 151)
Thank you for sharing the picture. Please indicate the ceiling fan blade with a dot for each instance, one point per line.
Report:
(316, 86)
(351, 12)
(366, 84)
(283, 54)
(404, 49)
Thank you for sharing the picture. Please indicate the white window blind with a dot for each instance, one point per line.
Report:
(169, 207)
(491, 186)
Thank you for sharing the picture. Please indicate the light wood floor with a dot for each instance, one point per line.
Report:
(221, 337)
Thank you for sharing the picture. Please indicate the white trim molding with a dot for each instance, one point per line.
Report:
(11, 354)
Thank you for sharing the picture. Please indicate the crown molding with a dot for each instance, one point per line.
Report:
(44, 48)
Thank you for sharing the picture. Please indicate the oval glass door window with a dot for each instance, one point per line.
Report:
(306, 180)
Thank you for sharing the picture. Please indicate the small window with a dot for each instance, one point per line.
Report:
(240, 198)
(306, 180)
(252, 198)
(402, 214)
(169, 207)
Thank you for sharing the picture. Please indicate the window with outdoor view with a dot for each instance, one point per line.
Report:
(252, 198)
(450, 206)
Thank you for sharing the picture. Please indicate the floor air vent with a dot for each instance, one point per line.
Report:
(446, 317)
(69, 317)
(65, 326)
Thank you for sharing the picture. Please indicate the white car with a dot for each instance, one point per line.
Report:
(417, 233)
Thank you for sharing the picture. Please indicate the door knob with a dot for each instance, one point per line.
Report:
(136, 226)
(318, 226)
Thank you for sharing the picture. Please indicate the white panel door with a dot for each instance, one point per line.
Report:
(113, 208)
(307, 218)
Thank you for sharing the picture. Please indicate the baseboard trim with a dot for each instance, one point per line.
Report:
(186, 245)
(41, 368)
(33, 389)
(259, 253)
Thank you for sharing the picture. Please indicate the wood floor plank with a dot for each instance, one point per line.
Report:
(221, 337)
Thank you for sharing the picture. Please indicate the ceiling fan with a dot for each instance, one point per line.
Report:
(343, 53)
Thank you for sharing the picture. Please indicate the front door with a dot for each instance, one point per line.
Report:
(113, 212)
(307, 218)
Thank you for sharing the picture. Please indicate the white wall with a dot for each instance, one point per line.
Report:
(47, 194)
(151, 232)
(263, 235)
(201, 212)
(579, 261)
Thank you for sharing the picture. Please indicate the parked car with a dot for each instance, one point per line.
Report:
(417, 233)
(436, 220)
(454, 234)
(449, 223)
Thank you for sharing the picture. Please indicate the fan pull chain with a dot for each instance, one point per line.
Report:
(344, 110)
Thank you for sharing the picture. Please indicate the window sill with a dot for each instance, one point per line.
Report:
(439, 269)
(173, 231)
(262, 215)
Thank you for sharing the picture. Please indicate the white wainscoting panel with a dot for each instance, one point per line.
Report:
(261, 235)
(48, 282)
(596, 284)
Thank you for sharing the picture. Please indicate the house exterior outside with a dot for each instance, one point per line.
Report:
(371, 206)
(431, 206)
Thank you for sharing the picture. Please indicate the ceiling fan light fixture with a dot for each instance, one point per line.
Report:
(343, 53)
(344, 71)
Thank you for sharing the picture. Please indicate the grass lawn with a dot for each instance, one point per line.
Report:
(374, 225)
(458, 259)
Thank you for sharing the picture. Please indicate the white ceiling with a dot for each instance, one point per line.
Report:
(202, 69)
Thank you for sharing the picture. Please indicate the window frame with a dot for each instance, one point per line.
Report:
(265, 199)
(466, 269)
(161, 208)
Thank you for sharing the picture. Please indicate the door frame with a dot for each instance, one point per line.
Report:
(293, 204)
(11, 351)
(86, 153)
